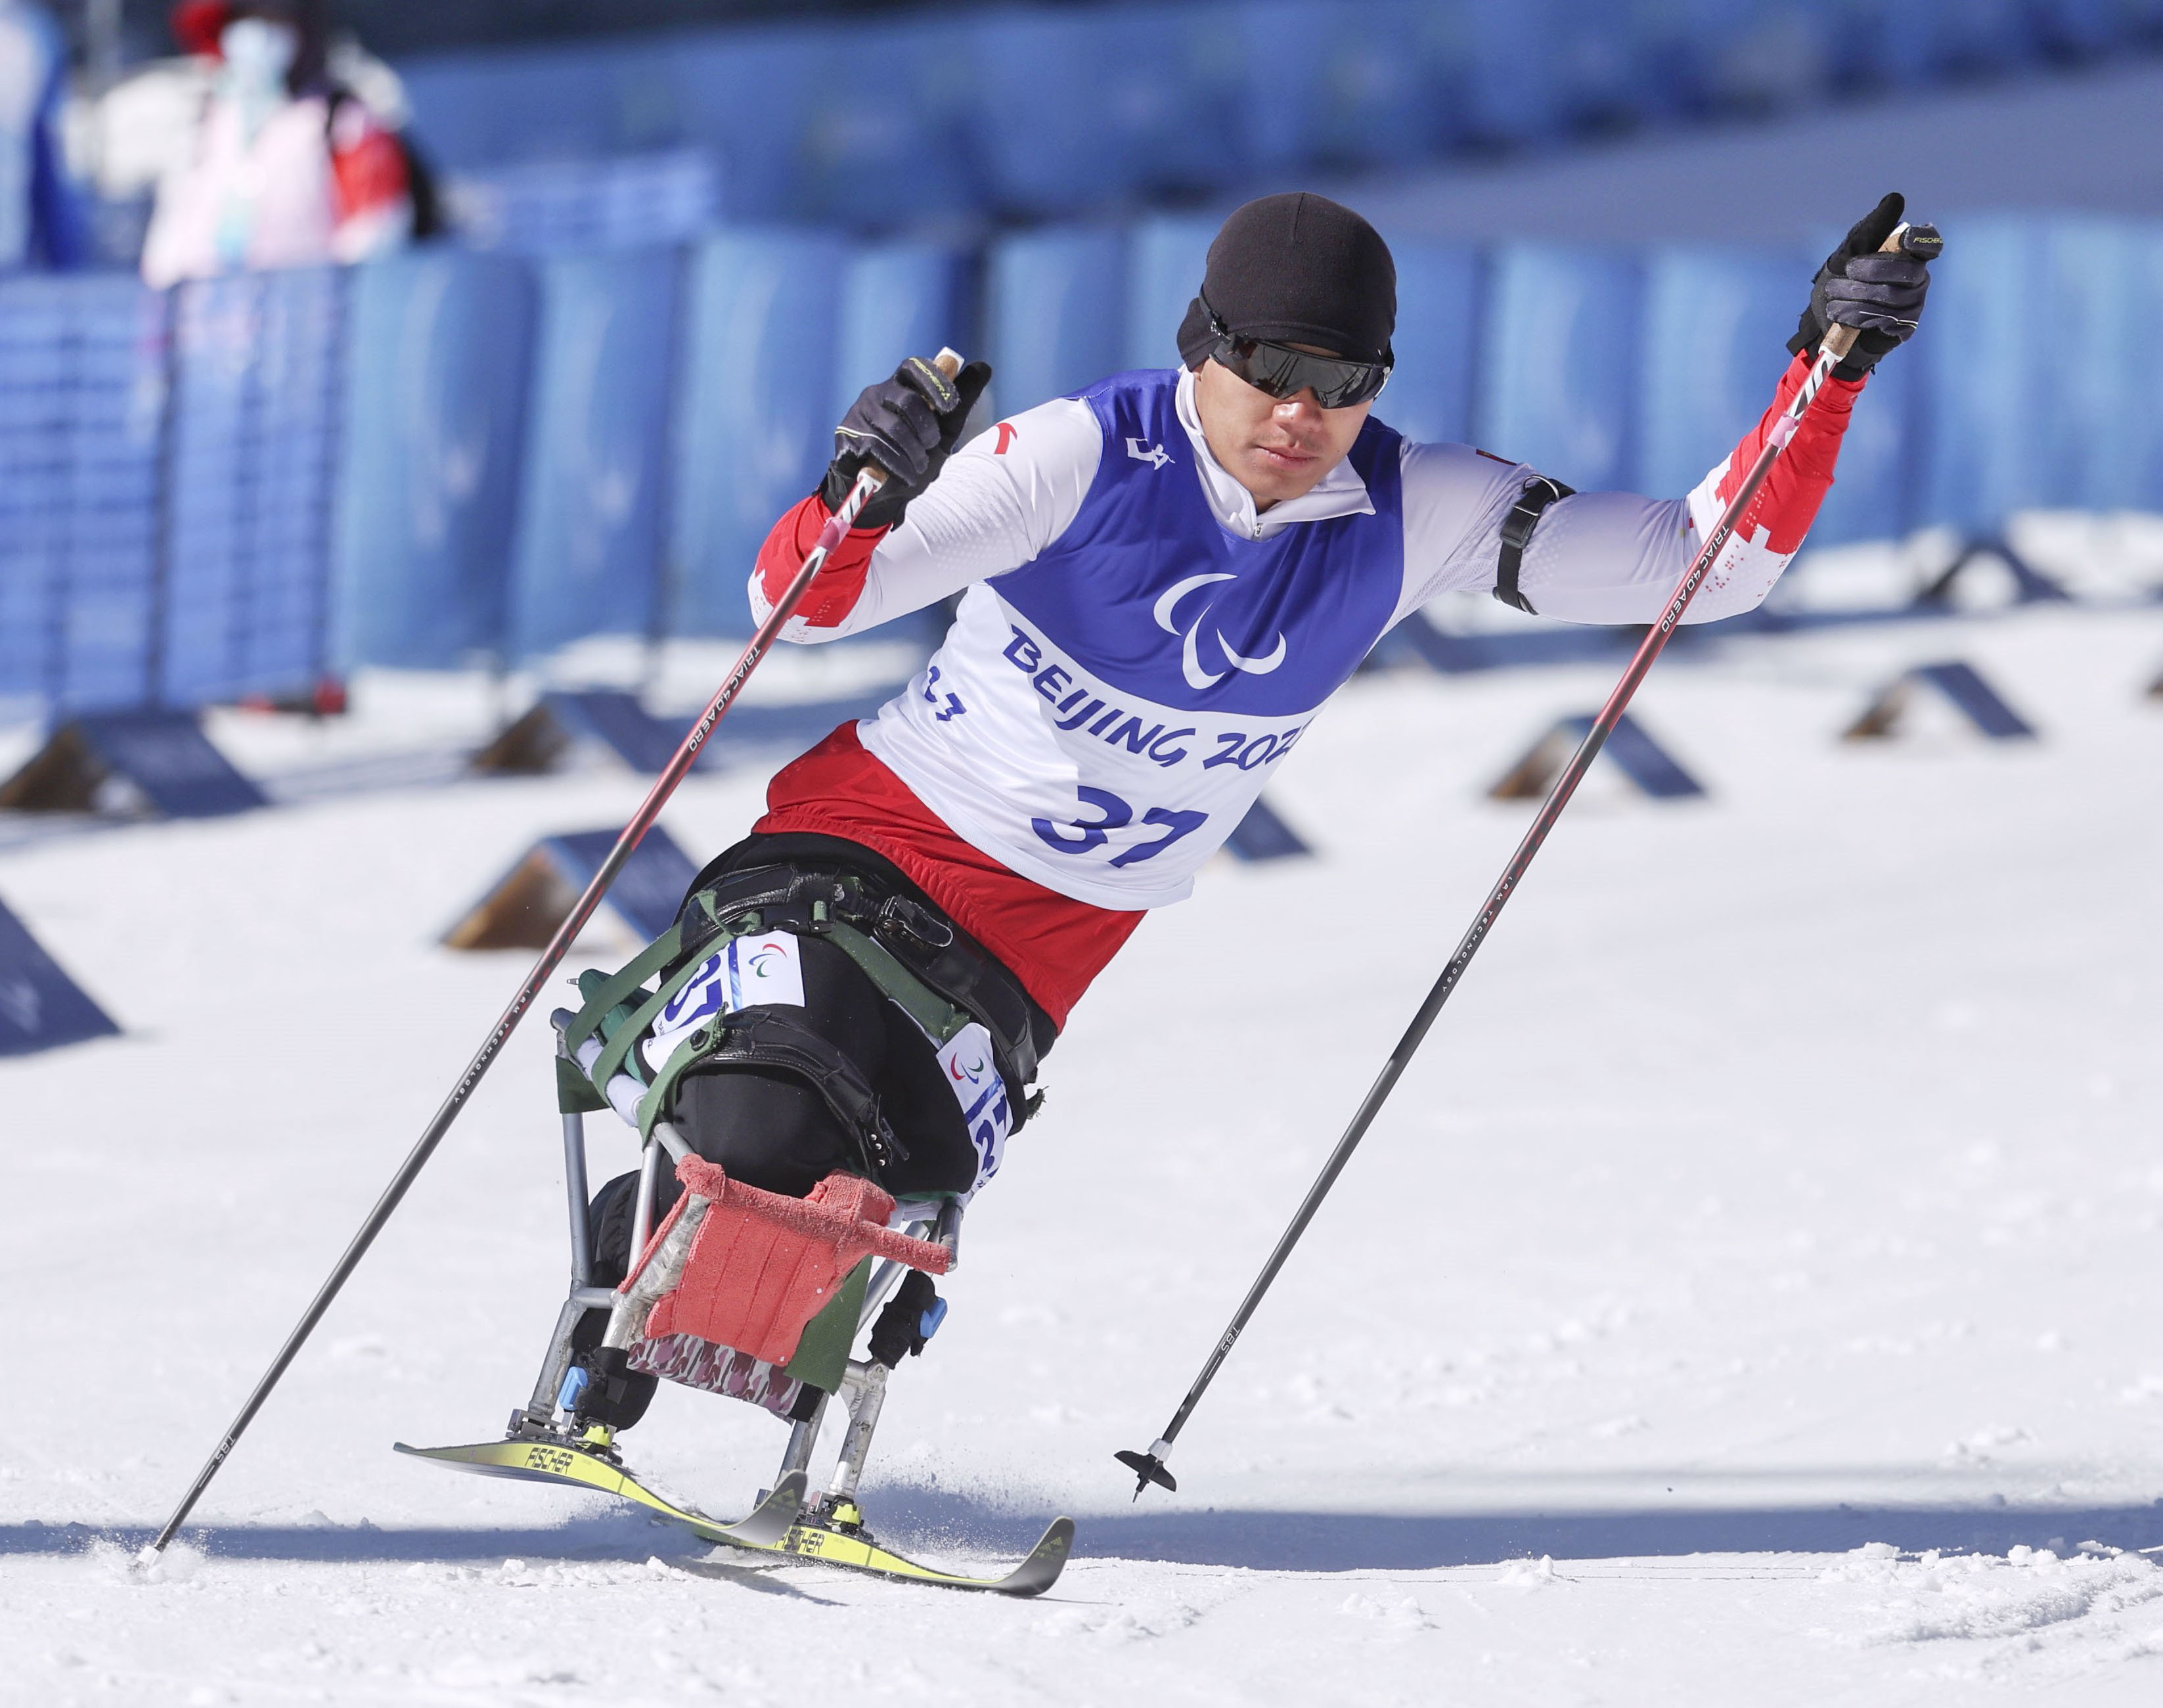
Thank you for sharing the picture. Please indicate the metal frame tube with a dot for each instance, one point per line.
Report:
(803, 1439)
(642, 1215)
(574, 1190)
(865, 1396)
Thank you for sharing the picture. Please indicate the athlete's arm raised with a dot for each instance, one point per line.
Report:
(998, 502)
(1615, 558)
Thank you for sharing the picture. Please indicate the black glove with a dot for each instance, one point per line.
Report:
(1882, 295)
(899, 1332)
(909, 426)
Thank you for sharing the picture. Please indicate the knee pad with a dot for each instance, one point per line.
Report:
(766, 1128)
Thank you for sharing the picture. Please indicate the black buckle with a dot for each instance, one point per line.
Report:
(921, 926)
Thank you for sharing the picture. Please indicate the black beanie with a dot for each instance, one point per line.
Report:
(1297, 268)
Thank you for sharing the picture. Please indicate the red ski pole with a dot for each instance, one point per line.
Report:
(868, 482)
(1922, 241)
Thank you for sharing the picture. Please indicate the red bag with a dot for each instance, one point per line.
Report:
(762, 1265)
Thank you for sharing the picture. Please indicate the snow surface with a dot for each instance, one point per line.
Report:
(1749, 1295)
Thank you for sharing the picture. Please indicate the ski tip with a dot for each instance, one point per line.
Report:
(1148, 1469)
(774, 1515)
(1045, 1562)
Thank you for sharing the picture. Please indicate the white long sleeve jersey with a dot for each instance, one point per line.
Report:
(1138, 649)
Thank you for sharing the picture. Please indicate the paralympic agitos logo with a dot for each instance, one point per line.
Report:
(1190, 654)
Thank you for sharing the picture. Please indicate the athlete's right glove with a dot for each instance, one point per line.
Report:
(1880, 295)
(909, 426)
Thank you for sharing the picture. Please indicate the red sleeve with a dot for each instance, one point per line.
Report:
(840, 581)
(1787, 502)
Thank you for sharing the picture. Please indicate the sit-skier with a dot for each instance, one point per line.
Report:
(1163, 579)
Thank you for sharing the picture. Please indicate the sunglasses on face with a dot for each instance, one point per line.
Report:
(1282, 372)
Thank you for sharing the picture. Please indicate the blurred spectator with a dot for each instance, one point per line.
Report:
(285, 165)
(41, 222)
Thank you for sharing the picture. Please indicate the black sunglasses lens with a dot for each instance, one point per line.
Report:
(1286, 372)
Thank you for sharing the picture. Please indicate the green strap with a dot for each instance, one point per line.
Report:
(939, 1018)
(655, 1103)
(574, 1096)
(620, 984)
(616, 1052)
(590, 982)
(621, 1026)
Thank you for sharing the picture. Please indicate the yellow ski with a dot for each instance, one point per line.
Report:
(553, 1462)
(779, 1527)
(808, 1539)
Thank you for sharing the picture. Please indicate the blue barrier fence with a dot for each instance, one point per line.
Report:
(251, 458)
(82, 400)
(591, 519)
(758, 411)
(231, 489)
(1037, 113)
(440, 346)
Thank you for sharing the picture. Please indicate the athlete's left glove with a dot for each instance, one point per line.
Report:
(909, 426)
(1880, 295)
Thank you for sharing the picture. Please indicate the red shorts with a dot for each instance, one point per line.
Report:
(1054, 944)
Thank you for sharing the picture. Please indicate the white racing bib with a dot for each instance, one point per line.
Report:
(973, 1074)
(748, 972)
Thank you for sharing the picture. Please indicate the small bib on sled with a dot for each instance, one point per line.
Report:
(743, 1269)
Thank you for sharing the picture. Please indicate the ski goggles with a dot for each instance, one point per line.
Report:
(1282, 371)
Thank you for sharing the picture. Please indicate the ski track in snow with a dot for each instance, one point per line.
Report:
(1749, 1294)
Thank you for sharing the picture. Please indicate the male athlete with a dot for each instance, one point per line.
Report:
(1163, 579)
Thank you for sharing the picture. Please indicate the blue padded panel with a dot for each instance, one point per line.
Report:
(1557, 376)
(1716, 322)
(2100, 423)
(899, 300)
(1056, 310)
(441, 350)
(623, 201)
(1429, 396)
(1989, 373)
(82, 389)
(1165, 257)
(594, 491)
(885, 133)
(758, 410)
(1077, 107)
(1875, 487)
(254, 464)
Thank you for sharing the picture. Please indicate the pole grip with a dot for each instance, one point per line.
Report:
(948, 362)
(1920, 241)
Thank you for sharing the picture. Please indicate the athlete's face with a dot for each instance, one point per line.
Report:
(1277, 447)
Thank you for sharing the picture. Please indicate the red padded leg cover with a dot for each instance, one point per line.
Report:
(762, 1265)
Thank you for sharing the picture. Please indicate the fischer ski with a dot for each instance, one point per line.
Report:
(558, 1462)
(813, 1539)
(779, 1525)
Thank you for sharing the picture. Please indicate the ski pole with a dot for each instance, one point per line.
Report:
(1921, 241)
(869, 481)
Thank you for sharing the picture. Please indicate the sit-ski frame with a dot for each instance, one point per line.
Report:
(863, 1384)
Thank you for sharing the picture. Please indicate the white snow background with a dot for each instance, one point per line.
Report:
(1750, 1294)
